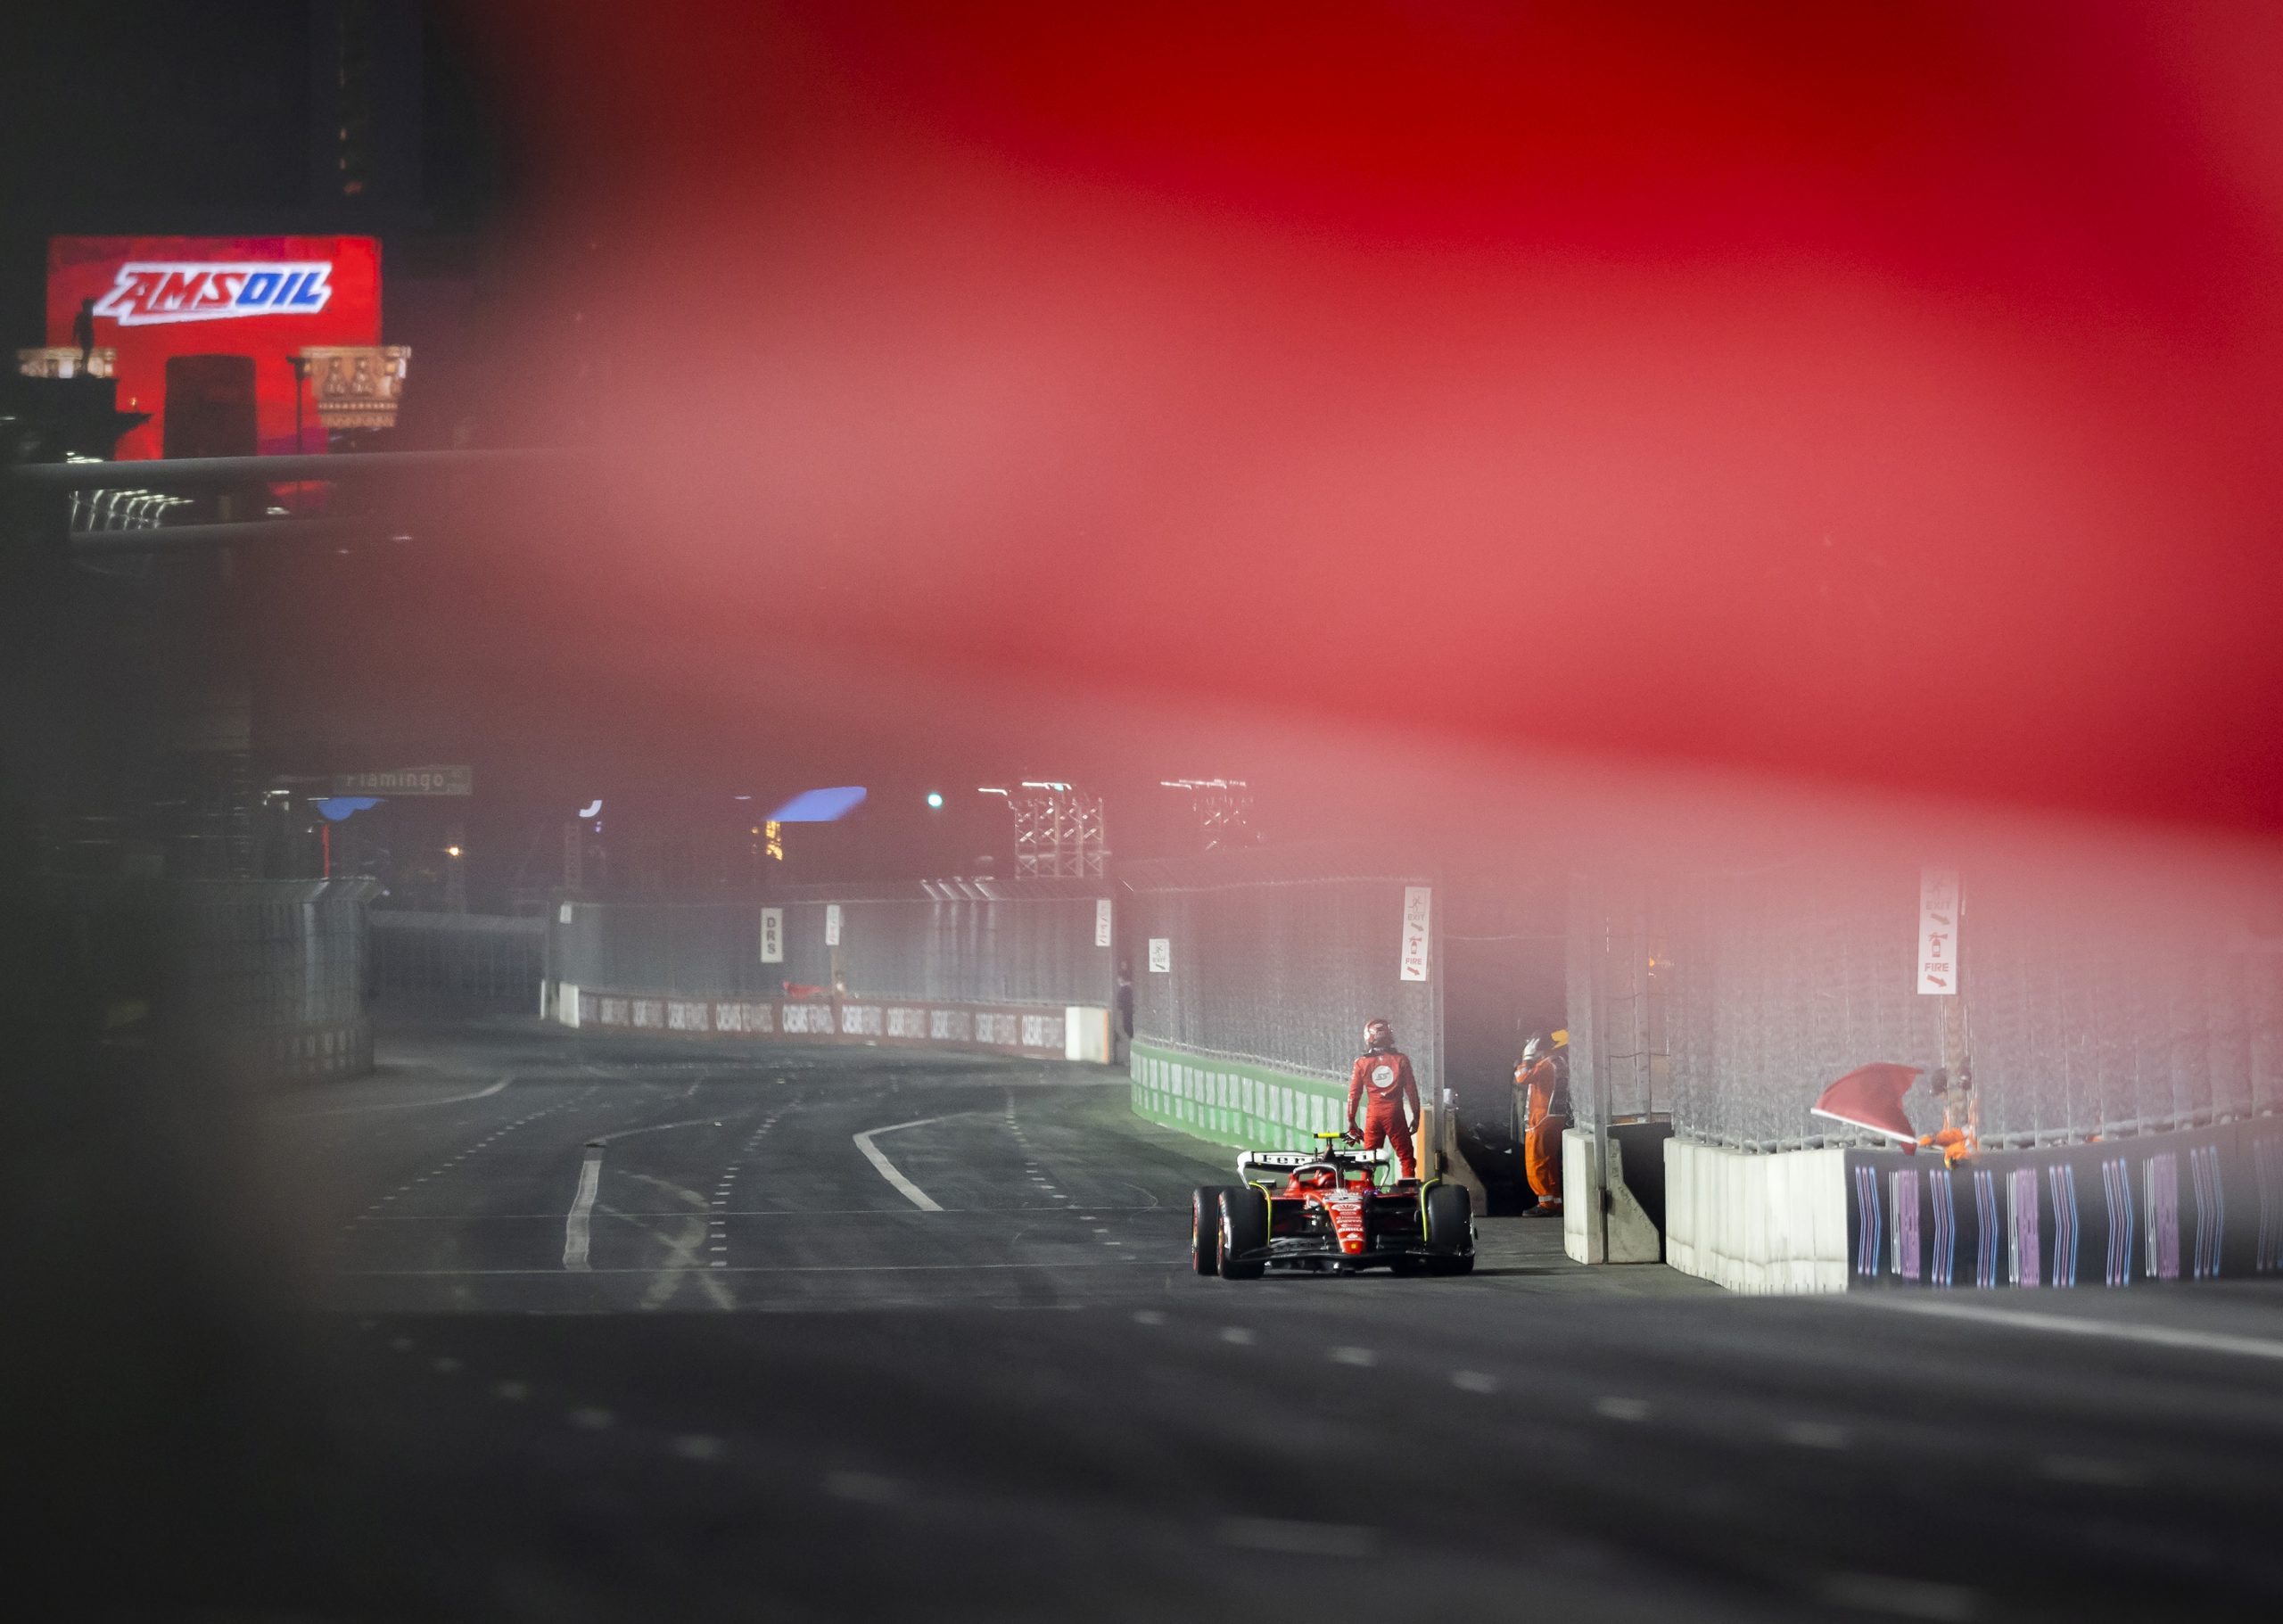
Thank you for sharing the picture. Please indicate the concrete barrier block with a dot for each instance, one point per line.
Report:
(1086, 1034)
(1602, 1220)
(1774, 1223)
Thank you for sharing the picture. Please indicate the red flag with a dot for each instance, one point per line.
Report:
(1870, 1097)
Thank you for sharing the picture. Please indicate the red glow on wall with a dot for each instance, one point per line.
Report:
(267, 297)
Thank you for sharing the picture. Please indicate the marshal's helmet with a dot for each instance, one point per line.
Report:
(1378, 1036)
(1540, 1047)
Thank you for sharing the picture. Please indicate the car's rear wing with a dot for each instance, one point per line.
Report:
(1249, 1162)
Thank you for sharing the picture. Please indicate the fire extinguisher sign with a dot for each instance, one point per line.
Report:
(1938, 929)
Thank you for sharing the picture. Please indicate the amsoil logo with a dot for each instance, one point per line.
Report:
(147, 294)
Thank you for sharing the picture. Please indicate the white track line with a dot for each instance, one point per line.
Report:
(913, 1193)
(398, 1105)
(656, 1127)
(582, 1208)
(2115, 1330)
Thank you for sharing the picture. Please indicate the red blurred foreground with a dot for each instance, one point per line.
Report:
(1881, 395)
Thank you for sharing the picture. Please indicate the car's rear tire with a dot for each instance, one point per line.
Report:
(1244, 1228)
(1205, 1228)
(1450, 1229)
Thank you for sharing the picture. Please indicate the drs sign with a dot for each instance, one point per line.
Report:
(772, 935)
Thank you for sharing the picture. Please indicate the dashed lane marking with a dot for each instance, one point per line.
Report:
(1813, 1434)
(863, 1488)
(1901, 1598)
(592, 1418)
(514, 1392)
(1289, 1538)
(1474, 1381)
(2089, 1470)
(1238, 1335)
(1622, 1409)
(1362, 1357)
(577, 1226)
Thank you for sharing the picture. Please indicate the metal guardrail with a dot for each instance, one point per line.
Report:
(183, 473)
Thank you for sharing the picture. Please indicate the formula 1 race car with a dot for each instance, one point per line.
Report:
(1328, 1216)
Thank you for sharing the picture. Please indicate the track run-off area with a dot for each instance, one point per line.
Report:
(604, 1324)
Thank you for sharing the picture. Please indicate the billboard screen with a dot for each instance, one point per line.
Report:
(156, 299)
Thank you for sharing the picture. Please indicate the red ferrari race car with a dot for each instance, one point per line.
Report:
(1328, 1216)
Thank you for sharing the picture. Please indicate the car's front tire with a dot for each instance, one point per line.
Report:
(1244, 1228)
(1450, 1229)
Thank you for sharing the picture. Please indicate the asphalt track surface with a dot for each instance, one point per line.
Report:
(763, 1379)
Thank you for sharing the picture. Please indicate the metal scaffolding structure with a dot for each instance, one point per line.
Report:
(1058, 832)
(1223, 808)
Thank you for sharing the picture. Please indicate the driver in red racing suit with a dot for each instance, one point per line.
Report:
(1382, 1083)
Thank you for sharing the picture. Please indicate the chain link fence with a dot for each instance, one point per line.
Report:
(1277, 957)
(1731, 998)
(265, 980)
(1016, 948)
(489, 958)
(2133, 1014)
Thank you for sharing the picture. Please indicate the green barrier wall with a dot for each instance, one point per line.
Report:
(1229, 1104)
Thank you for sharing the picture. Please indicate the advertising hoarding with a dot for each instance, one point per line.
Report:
(153, 299)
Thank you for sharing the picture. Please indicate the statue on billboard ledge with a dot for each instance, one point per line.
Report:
(358, 386)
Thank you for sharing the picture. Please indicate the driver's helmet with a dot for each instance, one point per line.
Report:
(1315, 1178)
(1377, 1037)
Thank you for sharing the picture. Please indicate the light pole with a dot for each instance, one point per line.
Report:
(300, 363)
